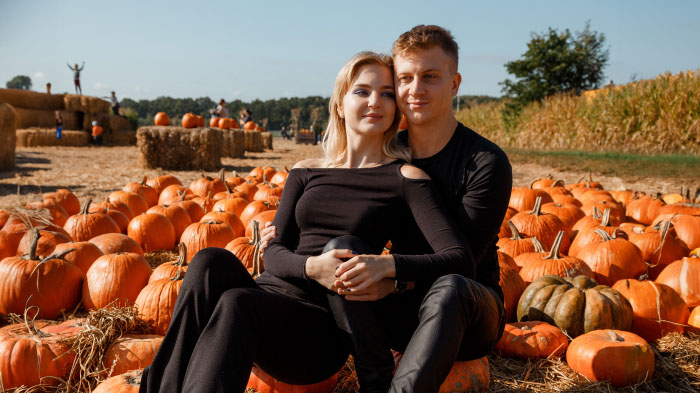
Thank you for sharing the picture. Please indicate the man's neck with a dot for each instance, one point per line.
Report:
(427, 140)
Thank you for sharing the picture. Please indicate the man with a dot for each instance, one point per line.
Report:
(436, 322)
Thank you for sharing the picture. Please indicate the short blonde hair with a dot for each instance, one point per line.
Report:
(335, 137)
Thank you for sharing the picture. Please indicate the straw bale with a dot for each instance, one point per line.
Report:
(266, 140)
(119, 138)
(7, 136)
(87, 104)
(44, 118)
(31, 99)
(253, 142)
(32, 137)
(234, 143)
(118, 123)
(170, 147)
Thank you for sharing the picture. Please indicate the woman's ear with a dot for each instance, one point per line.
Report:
(339, 109)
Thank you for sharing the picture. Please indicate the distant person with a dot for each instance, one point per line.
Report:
(48, 88)
(76, 77)
(221, 110)
(115, 104)
(285, 133)
(247, 116)
(96, 133)
(59, 123)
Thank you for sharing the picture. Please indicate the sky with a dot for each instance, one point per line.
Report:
(272, 49)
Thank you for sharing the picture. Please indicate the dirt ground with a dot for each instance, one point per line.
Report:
(97, 171)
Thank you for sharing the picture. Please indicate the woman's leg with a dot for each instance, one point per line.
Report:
(212, 272)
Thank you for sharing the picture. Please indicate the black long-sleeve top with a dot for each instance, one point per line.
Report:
(473, 176)
(319, 204)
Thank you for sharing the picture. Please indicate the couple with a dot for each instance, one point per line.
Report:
(325, 294)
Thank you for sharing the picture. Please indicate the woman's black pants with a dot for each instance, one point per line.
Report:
(223, 322)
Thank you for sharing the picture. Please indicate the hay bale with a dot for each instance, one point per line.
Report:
(86, 104)
(119, 138)
(44, 118)
(118, 123)
(266, 140)
(31, 99)
(170, 147)
(33, 137)
(253, 141)
(7, 136)
(233, 143)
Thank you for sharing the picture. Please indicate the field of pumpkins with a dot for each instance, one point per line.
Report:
(602, 288)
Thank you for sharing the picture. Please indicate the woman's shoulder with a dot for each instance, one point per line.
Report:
(412, 172)
(309, 163)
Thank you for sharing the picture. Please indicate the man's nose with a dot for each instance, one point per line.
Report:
(416, 87)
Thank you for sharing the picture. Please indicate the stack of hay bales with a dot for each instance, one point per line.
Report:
(253, 141)
(7, 136)
(30, 137)
(266, 140)
(34, 109)
(170, 147)
(234, 143)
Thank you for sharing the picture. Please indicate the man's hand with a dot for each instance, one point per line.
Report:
(266, 234)
(362, 271)
(322, 268)
(376, 291)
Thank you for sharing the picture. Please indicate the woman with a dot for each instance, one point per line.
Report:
(285, 321)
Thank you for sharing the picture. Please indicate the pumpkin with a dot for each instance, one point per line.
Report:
(568, 214)
(543, 226)
(544, 182)
(160, 182)
(170, 269)
(51, 284)
(177, 215)
(135, 201)
(189, 120)
(230, 193)
(82, 256)
(253, 209)
(538, 251)
(623, 197)
(534, 339)
(235, 180)
(658, 308)
(156, 301)
(233, 205)
(554, 264)
(262, 218)
(161, 119)
(214, 122)
(613, 259)
(576, 305)
(280, 177)
(687, 228)
(230, 218)
(128, 382)
(619, 357)
(586, 234)
(105, 206)
(48, 240)
(152, 231)
(131, 352)
(659, 247)
(115, 278)
(248, 189)
(36, 352)
(207, 202)
(57, 212)
(467, 376)
(684, 277)
(644, 209)
(200, 235)
(248, 251)
(694, 320)
(84, 225)
(207, 184)
(144, 191)
(174, 193)
(523, 198)
(511, 283)
(262, 382)
(263, 173)
(111, 243)
(249, 125)
(267, 189)
(120, 218)
(66, 199)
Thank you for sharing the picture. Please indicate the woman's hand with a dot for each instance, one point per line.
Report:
(322, 268)
(362, 271)
(376, 291)
(266, 234)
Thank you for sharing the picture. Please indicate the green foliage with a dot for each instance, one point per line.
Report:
(555, 62)
(133, 118)
(277, 111)
(19, 82)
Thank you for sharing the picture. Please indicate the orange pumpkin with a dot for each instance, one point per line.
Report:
(248, 251)
(66, 199)
(523, 198)
(214, 122)
(233, 205)
(228, 217)
(659, 246)
(644, 209)
(48, 240)
(115, 278)
(189, 120)
(170, 269)
(135, 201)
(128, 382)
(156, 301)
(267, 189)
(177, 215)
(684, 277)
(82, 256)
(262, 218)
(553, 264)
(694, 320)
(84, 225)
(161, 119)
(467, 376)
(262, 382)
(613, 259)
(511, 283)
(515, 245)
(207, 184)
(160, 182)
(143, 190)
(620, 357)
(249, 125)
(152, 231)
(57, 212)
(253, 209)
(200, 235)
(111, 243)
(132, 352)
(532, 340)
(120, 218)
(543, 226)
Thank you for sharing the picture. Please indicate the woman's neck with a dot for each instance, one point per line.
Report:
(363, 152)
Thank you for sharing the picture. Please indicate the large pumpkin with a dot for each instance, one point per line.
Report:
(658, 308)
(115, 278)
(156, 301)
(613, 259)
(200, 235)
(684, 276)
(177, 215)
(553, 263)
(533, 339)
(620, 357)
(575, 305)
(112, 243)
(524, 198)
(262, 382)
(152, 231)
(82, 256)
(644, 209)
(84, 225)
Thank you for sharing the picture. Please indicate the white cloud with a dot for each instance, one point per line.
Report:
(236, 93)
(38, 75)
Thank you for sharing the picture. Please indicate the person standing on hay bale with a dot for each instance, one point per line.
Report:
(221, 110)
(76, 77)
(96, 133)
(59, 124)
(284, 322)
(114, 103)
(473, 177)
(48, 88)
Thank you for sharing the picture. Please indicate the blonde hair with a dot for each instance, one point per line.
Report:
(335, 137)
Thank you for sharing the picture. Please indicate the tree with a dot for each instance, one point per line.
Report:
(19, 82)
(556, 62)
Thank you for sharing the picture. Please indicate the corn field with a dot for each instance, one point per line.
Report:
(657, 116)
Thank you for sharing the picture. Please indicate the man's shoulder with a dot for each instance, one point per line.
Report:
(479, 146)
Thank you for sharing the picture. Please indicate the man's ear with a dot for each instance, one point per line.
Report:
(456, 81)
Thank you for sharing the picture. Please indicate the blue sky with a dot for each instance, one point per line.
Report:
(272, 49)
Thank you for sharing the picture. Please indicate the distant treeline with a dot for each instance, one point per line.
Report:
(278, 112)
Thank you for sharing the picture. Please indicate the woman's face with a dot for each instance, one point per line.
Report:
(369, 104)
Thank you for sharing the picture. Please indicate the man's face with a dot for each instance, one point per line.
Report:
(426, 80)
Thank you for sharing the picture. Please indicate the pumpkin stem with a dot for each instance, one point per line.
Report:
(606, 237)
(665, 226)
(596, 213)
(181, 255)
(60, 255)
(538, 204)
(182, 194)
(515, 235)
(554, 252)
(257, 256)
(228, 188)
(538, 245)
(32, 248)
(221, 175)
(178, 275)
(605, 220)
(558, 183)
(86, 206)
(614, 336)
(143, 182)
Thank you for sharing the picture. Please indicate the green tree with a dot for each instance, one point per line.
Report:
(19, 82)
(556, 62)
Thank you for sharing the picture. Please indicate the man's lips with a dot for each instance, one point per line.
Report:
(417, 104)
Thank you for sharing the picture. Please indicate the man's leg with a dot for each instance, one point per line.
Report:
(459, 319)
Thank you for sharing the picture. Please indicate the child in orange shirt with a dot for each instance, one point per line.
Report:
(96, 133)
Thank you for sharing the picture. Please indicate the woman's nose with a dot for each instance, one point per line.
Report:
(374, 99)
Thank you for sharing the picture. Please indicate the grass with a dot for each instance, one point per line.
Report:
(682, 167)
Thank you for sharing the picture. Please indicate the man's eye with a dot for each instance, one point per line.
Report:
(405, 79)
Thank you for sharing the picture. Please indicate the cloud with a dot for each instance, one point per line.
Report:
(100, 85)
(236, 93)
(38, 75)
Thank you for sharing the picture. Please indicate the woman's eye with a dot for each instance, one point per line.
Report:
(388, 94)
(361, 92)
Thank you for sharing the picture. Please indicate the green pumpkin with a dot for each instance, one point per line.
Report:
(576, 305)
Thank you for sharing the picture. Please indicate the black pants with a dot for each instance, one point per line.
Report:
(224, 322)
(452, 318)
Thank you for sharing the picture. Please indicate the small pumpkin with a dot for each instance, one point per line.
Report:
(128, 382)
(161, 119)
(189, 120)
(131, 352)
(143, 190)
(534, 339)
